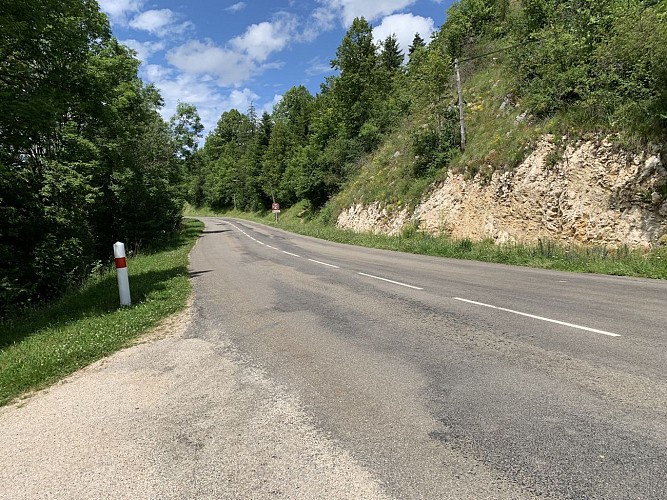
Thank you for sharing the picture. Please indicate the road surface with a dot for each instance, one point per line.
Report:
(309, 369)
(448, 378)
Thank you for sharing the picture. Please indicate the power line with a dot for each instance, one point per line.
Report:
(501, 50)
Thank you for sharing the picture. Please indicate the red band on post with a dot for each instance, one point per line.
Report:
(121, 262)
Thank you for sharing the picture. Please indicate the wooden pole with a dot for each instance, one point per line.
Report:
(460, 93)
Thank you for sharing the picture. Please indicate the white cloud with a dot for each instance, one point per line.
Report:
(144, 49)
(153, 20)
(321, 19)
(268, 107)
(317, 67)
(210, 101)
(236, 7)
(404, 26)
(260, 40)
(119, 11)
(229, 67)
(160, 22)
(196, 71)
(240, 100)
(156, 73)
(244, 57)
(369, 9)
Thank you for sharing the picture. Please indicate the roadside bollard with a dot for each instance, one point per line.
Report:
(121, 274)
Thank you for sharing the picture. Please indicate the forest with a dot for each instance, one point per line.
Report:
(86, 159)
(601, 63)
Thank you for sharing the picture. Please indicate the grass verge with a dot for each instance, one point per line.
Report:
(547, 255)
(46, 344)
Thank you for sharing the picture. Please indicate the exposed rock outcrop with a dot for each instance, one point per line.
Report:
(589, 193)
(373, 218)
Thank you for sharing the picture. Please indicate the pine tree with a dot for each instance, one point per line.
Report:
(417, 42)
(391, 57)
(355, 88)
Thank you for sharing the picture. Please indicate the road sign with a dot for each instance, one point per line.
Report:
(275, 208)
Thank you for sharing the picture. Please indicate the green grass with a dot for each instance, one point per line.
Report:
(494, 139)
(386, 175)
(548, 255)
(44, 345)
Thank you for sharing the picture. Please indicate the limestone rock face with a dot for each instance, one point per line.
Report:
(588, 194)
(372, 218)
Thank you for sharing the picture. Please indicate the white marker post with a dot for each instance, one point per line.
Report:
(121, 274)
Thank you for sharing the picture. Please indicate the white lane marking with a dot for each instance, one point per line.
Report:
(391, 281)
(273, 248)
(563, 323)
(323, 263)
(260, 242)
(292, 254)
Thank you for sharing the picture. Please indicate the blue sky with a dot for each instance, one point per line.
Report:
(224, 54)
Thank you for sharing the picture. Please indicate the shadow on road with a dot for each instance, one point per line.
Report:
(194, 274)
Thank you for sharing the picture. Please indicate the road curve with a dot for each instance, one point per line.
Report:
(446, 378)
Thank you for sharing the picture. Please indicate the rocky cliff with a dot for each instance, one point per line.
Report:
(588, 193)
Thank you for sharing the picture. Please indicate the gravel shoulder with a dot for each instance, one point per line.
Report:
(171, 417)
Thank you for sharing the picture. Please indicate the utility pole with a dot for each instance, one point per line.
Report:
(460, 93)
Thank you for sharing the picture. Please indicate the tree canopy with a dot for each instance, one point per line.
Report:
(85, 158)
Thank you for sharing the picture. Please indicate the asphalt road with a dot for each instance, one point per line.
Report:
(445, 378)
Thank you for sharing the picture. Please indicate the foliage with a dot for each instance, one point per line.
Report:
(605, 60)
(310, 145)
(417, 43)
(391, 57)
(355, 88)
(469, 20)
(85, 159)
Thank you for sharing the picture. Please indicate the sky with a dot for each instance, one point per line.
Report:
(224, 54)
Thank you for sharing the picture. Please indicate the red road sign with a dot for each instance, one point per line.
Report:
(275, 206)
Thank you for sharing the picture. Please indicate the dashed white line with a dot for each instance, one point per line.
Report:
(323, 263)
(292, 254)
(563, 323)
(273, 248)
(391, 281)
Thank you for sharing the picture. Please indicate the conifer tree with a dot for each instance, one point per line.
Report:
(417, 42)
(391, 57)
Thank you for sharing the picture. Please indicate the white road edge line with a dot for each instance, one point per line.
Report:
(563, 323)
(391, 281)
(323, 263)
(292, 254)
(269, 246)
